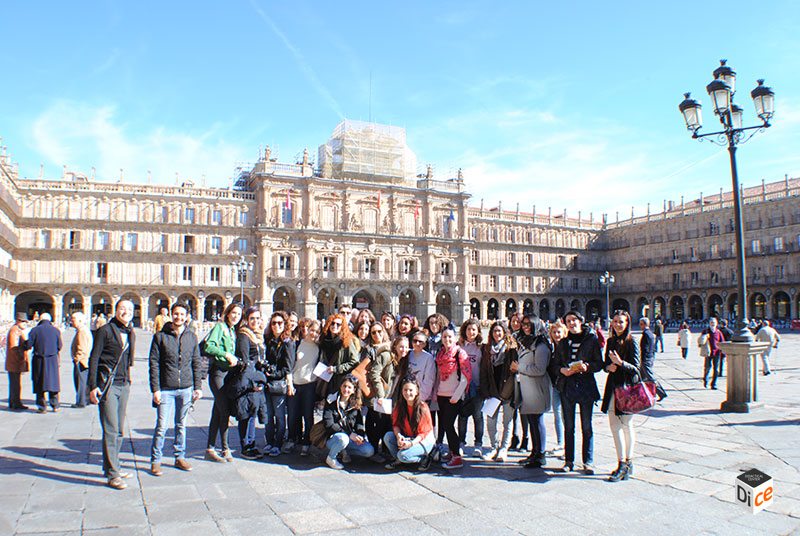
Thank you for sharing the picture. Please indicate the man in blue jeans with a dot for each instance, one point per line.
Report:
(175, 380)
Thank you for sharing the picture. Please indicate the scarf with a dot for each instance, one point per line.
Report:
(497, 351)
(254, 336)
(330, 345)
(447, 361)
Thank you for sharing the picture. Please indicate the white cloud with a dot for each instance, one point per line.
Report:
(82, 136)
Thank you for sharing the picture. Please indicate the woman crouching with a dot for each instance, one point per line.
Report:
(345, 424)
(411, 438)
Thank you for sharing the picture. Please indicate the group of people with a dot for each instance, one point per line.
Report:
(388, 389)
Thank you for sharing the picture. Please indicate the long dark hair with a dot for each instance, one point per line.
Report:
(231, 306)
(620, 342)
(417, 405)
(462, 334)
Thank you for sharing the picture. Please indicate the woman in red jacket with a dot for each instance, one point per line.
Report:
(411, 438)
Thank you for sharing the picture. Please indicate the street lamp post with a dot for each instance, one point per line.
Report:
(241, 267)
(607, 279)
(721, 91)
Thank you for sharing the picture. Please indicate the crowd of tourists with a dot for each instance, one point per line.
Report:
(387, 389)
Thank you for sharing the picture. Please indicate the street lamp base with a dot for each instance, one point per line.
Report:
(730, 406)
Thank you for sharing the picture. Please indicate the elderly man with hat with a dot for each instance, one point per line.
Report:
(45, 340)
(16, 360)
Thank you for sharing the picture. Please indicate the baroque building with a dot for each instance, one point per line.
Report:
(362, 228)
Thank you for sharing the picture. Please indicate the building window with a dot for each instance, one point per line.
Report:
(242, 244)
(714, 250)
(674, 254)
(756, 272)
(243, 218)
(713, 228)
(590, 283)
(216, 244)
(676, 280)
(475, 281)
(562, 261)
(409, 267)
(475, 256)
(714, 277)
(370, 266)
(189, 215)
(695, 278)
(74, 240)
(510, 283)
(188, 244)
(492, 282)
(216, 217)
(473, 232)
(132, 241)
(164, 214)
(102, 271)
(575, 284)
(780, 271)
(560, 282)
(493, 235)
(778, 243)
(529, 259)
(444, 268)
(187, 273)
(214, 274)
(512, 259)
(105, 240)
(328, 264)
(164, 243)
(446, 221)
(755, 246)
(511, 237)
(692, 253)
(285, 262)
(526, 284)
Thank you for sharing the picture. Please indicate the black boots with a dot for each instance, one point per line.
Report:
(623, 471)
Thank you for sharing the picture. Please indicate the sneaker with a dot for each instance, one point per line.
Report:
(273, 451)
(394, 465)
(226, 455)
(125, 474)
(455, 463)
(567, 468)
(333, 463)
(288, 447)
(588, 469)
(425, 464)
(251, 453)
(182, 464)
(345, 457)
(490, 456)
(478, 452)
(155, 469)
(117, 483)
(378, 458)
(211, 455)
(304, 450)
(501, 455)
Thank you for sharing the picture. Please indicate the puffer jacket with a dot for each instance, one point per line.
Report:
(244, 388)
(336, 419)
(175, 360)
(381, 372)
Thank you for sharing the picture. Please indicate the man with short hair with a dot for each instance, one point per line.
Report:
(175, 368)
(112, 352)
(727, 336)
(712, 360)
(45, 340)
(161, 318)
(647, 351)
(16, 361)
(658, 331)
(767, 334)
(81, 348)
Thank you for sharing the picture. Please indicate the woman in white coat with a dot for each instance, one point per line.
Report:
(684, 336)
(534, 387)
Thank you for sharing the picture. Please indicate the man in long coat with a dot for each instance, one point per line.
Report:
(16, 361)
(45, 340)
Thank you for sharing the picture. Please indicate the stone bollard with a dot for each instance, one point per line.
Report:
(742, 375)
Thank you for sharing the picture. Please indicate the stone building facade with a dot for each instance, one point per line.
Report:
(362, 228)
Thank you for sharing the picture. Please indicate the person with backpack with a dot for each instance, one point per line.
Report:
(220, 349)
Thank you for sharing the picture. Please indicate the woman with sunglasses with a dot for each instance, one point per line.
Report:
(380, 376)
(220, 346)
(340, 351)
(344, 423)
(249, 350)
(622, 365)
(534, 385)
(422, 365)
(470, 340)
(278, 364)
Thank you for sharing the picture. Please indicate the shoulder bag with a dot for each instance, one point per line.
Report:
(636, 397)
(105, 377)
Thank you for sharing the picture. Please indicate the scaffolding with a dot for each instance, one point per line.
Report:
(358, 150)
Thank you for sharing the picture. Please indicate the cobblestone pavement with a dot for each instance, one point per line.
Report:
(687, 457)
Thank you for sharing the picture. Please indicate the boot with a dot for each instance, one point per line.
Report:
(619, 473)
(514, 443)
(628, 469)
(523, 445)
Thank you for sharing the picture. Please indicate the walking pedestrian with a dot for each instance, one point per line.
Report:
(684, 338)
(658, 331)
(711, 337)
(647, 350)
(767, 334)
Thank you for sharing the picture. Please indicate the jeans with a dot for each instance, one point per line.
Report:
(491, 422)
(447, 422)
(568, 409)
(558, 417)
(711, 362)
(113, 408)
(247, 433)
(173, 402)
(300, 409)
(14, 390)
(538, 434)
(414, 454)
(341, 441)
(220, 412)
(660, 340)
(80, 376)
(684, 352)
(275, 427)
(471, 408)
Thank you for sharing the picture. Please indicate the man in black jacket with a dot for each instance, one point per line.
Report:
(112, 354)
(647, 350)
(175, 380)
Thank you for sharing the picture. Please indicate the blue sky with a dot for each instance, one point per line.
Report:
(571, 106)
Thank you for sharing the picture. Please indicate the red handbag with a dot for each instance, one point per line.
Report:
(635, 398)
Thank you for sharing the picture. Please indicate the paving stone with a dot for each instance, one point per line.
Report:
(206, 527)
(314, 521)
(109, 518)
(48, 521)
(271, 525)
(184, 512)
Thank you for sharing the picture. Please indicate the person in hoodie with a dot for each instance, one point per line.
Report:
(577, 359)
(176, 383)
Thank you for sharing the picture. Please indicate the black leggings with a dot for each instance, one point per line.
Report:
(448, 412)
(220, 412)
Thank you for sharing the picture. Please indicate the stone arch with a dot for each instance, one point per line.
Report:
(72, 303)
(695, 308)
(492, 308)
(561, 308)
(593, 310)
(444, 303)
(408, 302)
(214, 307)
(758, 305)
(715, 306)
(191, 303)
(642, 308)
(511, 307)
(475, 308)
(733, 305)
(284, 299)
(102, 303)
(156, 302)
(32, 302)
(327, 302)
(781, 306)
(620, 304)
(544, 309)
(136, 300)
(527, 307)
(659, 307)
(676, 308)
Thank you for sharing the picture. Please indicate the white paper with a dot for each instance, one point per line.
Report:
(321, 371)
(382, 405)
(490, 406)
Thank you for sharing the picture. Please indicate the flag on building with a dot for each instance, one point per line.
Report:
(288, 198)
(379, 200)
(416, 211)
(452, 218)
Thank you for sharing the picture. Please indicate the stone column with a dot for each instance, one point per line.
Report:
(58, 309)
(742, 375)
